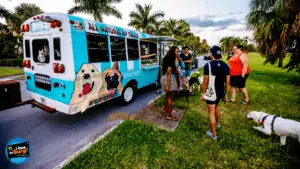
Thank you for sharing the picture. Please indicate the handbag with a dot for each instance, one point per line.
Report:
(210, 91)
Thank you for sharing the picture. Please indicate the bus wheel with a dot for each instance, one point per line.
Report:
(128, 94)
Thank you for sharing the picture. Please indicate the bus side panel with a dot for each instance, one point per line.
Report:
(79, 98)
(79, 43)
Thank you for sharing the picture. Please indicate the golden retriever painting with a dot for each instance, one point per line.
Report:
(87, 86)
(93, 87)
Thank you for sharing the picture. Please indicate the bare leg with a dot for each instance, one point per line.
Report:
(218, 114)
(166, 104)
(245, 94)
(212, 118)
(233, 93)
(169, 100)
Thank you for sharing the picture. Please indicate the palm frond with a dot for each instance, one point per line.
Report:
(77, 9)
(112, 10)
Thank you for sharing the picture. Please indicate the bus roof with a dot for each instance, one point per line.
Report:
(81, 24)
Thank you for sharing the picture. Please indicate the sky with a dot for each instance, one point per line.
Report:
(209, 19)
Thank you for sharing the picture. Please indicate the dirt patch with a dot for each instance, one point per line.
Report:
(152, 115)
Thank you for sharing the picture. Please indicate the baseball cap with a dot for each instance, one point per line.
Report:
(216, 52)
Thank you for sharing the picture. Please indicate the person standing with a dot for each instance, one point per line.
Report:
(168, 80)
(220, 70)
(187, 59)
(239, 72)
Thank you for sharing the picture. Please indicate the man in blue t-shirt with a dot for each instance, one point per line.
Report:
(187, 59)
(221, 72)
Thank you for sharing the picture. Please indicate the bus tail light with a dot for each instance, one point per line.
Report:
(24, 63)
(58, 23)
(55, 85)
(52, 24)
(26, 28)
(55, 67)
(61, 68)
(28, 65)
(22, 28)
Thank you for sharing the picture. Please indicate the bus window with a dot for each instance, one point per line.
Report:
(40, 50)
(118, 50)
(97, 48)
(133, 49)
(56, 46)
(27, 48)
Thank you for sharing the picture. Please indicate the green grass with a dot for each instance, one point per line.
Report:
(9, 71)
(137, 145)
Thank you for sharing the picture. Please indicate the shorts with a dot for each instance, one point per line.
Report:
(173, 83)
(214, 102)
(238, 81)
(187, 72)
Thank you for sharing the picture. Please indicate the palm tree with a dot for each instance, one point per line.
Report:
(271, 24)
(143, 19)
(97, 8)
(4, 13)
(23, 12)
(159, 28)
(204, 45)
(14, 20)
(171, 26)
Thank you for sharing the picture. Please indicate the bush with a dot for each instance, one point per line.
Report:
(11, 62)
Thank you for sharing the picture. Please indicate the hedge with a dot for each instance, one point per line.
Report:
(11, 62)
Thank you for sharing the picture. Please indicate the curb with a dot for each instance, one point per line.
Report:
(86, 147)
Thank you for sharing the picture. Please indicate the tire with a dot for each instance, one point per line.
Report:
(128, 94)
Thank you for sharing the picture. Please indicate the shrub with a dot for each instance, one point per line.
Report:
(11, 62)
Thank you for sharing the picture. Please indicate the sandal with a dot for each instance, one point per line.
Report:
(224, 100)
(230, 100)
(245, 102)
(172, 118)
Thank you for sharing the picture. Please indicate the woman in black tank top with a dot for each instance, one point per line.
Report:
(168, 80)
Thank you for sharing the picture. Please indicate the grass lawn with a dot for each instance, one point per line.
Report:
(137, 145)
(9, 71)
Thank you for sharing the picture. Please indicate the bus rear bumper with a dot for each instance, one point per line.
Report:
(48, 104)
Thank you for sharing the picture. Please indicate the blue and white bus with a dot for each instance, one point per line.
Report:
(72, 64)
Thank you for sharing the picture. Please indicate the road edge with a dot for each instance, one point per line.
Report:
(86, 147)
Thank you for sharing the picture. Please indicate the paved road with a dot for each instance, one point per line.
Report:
(55, 137)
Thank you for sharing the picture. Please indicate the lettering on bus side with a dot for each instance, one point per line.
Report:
(117, 32)
(103, 98)
(93, 27)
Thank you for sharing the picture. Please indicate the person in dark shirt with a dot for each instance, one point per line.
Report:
(221, 72)
(168, 80)
(187, 59)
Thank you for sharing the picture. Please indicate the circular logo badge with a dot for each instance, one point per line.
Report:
(18, 150)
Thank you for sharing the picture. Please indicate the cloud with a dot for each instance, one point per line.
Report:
(219, 22)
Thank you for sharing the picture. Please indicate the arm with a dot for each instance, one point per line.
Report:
(204, 84)
(169, 74)
(227, 86)
(147, 56)
(245, 61)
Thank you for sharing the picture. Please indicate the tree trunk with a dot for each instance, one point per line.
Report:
(280, 62)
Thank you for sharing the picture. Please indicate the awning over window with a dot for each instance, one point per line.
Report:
(159, 39)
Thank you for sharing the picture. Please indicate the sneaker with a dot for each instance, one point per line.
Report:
(180, 88)
(211, 136)
(219, 126)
